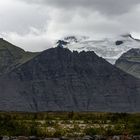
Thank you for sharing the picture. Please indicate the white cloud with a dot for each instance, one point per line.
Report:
(18, 17)
(33, 41)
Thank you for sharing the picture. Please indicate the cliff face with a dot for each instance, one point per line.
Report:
(60, 80)
(130, 62)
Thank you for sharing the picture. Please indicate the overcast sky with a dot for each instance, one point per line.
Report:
(34, 24)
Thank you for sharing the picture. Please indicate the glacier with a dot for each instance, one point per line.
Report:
(106, 48)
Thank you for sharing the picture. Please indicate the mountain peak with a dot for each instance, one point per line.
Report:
(12, 56)
(110, 48)
(61, 80)
(135, 52)
(61, 43)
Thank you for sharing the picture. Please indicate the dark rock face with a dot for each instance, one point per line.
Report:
(119, 42)
(60, 43)
(60, 80)
(130, 62)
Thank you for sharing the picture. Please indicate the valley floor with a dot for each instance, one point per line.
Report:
(69, 124)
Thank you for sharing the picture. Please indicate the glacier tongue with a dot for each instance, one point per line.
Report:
(109, 48)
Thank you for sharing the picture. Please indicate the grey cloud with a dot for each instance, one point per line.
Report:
(20, 17)
(108, 7)
(34, 24)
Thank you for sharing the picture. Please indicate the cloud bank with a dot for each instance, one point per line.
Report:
(35, 24)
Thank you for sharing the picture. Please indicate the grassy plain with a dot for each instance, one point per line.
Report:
(72, 124)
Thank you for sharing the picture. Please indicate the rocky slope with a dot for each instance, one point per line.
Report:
(109, 48)
(60, 80)
(12, 56)
(130, 62)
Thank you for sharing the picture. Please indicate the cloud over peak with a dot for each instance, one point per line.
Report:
(34, 22)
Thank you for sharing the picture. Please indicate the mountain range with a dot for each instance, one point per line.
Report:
(122, 51)
(59, 79)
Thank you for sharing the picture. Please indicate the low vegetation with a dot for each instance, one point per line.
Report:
(56, 124)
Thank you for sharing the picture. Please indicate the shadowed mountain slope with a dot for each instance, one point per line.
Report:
(60, 80)
(130, 62)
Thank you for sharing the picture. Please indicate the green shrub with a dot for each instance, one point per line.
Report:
(91, 131)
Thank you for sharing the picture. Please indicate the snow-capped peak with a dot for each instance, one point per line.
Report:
(109, 48)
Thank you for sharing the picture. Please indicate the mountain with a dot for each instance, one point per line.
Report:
(58, 79)
(12, 56)
(130, 62)
(109, 48)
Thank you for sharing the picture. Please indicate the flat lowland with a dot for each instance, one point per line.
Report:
(70, 124)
